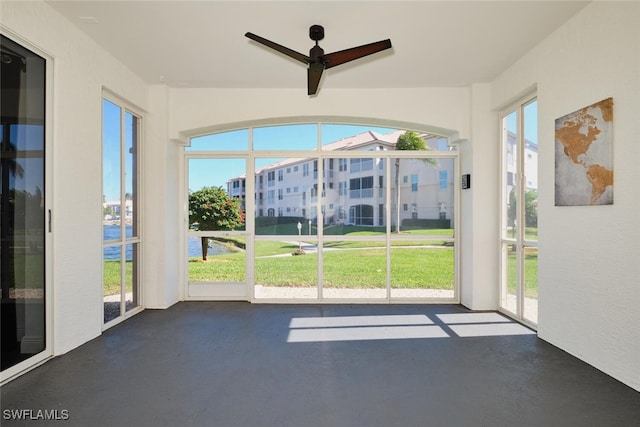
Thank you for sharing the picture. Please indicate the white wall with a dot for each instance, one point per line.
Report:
(81, 69)
(479, 205)
(589, 257)
(196, 111)
(193, 109)
(160, 189)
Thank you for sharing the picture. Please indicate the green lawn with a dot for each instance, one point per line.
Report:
(111, 276)
(530, 273)
(355, 266)
(426, 264)
(26, 270)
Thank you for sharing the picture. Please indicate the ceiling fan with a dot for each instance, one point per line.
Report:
(317, 60)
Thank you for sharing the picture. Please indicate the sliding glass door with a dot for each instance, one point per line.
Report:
(25, 221)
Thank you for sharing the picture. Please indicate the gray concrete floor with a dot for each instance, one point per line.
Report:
(237, 364)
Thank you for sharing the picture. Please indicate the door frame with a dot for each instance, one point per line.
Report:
(48, 352)
(217, 291)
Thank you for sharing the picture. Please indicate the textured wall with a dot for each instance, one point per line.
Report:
(589, 269)
(81, 70)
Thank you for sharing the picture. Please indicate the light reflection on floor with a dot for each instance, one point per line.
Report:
(390, 327)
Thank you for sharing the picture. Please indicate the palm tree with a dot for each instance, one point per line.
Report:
(408, 141)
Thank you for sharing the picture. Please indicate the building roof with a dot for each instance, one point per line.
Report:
(350, 143)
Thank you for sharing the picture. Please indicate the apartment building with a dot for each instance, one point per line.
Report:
(352, 190)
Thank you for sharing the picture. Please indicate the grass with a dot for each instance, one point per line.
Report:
(359, 267)
(530, 273)
(111, 276)
(354, 264)
(26, 270)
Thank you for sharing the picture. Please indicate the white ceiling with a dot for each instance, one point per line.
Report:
(202, 44)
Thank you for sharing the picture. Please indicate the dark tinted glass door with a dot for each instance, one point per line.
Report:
(22, 203)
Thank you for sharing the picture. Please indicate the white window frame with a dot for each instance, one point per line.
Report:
(519, 241)
(126, 107)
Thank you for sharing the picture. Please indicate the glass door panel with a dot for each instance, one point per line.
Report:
(216, 236)
(225, 261)
(22, 204)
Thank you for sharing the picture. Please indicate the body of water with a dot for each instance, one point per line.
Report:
(112, 232)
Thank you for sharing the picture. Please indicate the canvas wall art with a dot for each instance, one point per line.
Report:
(584, 160)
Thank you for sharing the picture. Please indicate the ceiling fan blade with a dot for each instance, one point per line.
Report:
(314, 73)
(285, 50)
(342, 56)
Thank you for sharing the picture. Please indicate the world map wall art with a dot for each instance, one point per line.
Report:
(584, 161)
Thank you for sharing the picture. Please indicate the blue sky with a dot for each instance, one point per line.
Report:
(530, 122)
(28, 137)
(111, 116)
(216, 172)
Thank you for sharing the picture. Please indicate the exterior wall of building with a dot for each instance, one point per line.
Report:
(352, 190)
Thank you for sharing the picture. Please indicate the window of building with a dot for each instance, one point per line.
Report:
(414, 183)
(361, 165)
(443, 180)
(342, 188)
(361, 187)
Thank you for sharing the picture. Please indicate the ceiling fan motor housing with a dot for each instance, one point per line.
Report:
(316, 32)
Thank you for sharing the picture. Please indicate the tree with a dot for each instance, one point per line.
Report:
(530, 209)
(212, 209)
(408, 141)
